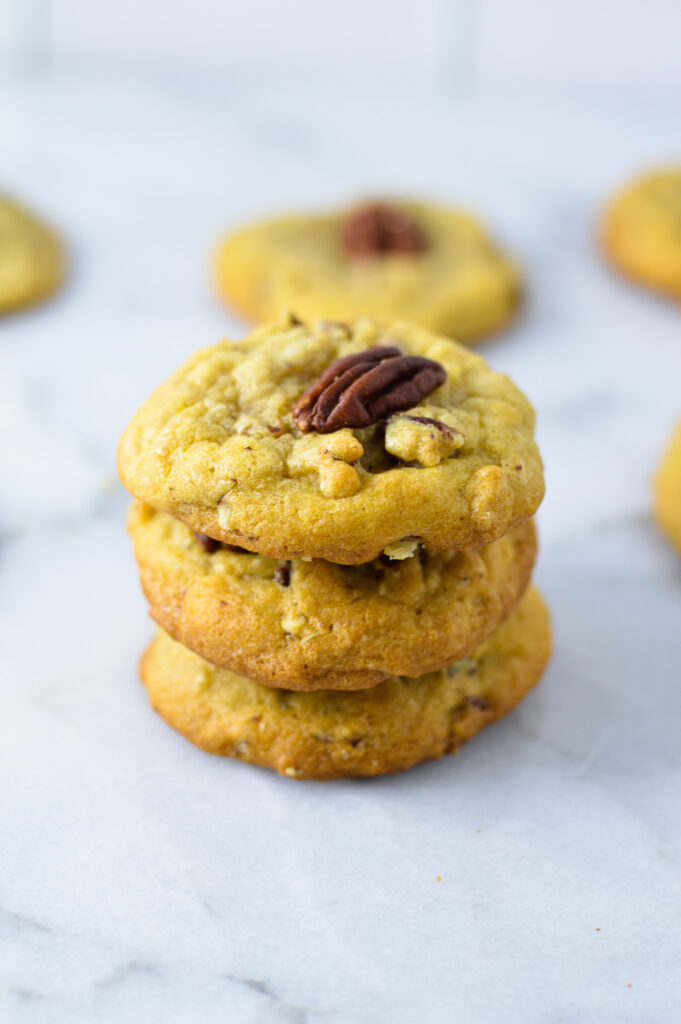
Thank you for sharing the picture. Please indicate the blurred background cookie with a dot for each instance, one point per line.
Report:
(641, 231)
(433, 265)
(32, 259)
(668, 491)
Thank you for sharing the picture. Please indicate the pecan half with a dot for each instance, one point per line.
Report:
(364, 388)
(378, 228)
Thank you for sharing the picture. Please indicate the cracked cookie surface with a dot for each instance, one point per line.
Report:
(641, 231)
(458, 282)
(330, 734)
(218, 447)
(308, 625)
(32, 261)
(668, 491)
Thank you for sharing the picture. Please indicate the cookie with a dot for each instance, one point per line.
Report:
(309, 625)
(668, 492)
(432, 265)
(32, 261)
(641, 231)
(329, 734)
(265, 445)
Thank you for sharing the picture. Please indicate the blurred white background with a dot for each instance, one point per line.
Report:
(599, 47)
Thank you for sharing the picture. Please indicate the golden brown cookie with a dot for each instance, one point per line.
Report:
(32, 261)
(432, 265)
(330, 734)
(641, 231)
(668, 492)
(225, 446)
(309, 625)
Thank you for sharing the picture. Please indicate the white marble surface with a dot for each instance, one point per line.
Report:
(141, 880)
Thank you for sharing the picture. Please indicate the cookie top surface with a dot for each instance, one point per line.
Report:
(32, 261)
(668, 491)
(329, 734)
(642, 231)
(317, 625)
(218, 446)
(432, 265)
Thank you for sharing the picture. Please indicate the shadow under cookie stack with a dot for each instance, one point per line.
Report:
(333, 527)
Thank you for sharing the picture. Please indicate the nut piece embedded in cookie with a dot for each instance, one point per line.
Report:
(426, 435)
(332, 458)
(208, 544)
(379, 229)
(364, 388)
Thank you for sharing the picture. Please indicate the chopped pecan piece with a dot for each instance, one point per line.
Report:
(378, 228)
(208, 544)
(429, 422)
(364, 388)
(426, 439)
(476, 702)
(282, 574)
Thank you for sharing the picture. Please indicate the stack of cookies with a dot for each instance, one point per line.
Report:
(333, 529)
